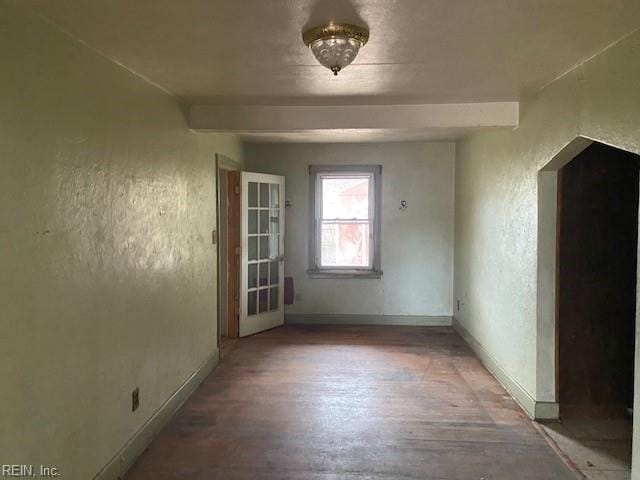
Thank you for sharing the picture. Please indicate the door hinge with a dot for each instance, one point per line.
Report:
(214, 237)
(237, 190)
(237, 250)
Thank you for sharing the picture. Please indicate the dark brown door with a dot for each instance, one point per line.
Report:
(597, 249)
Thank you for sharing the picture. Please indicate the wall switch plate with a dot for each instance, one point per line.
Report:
(135, 399)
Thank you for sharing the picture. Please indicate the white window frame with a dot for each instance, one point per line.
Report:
(316, 173)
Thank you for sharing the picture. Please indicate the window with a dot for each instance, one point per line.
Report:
(344, 227)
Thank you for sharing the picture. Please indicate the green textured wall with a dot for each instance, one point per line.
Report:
(107, 272)
(496, 200)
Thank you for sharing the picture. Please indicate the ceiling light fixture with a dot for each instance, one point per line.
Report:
(336, 45)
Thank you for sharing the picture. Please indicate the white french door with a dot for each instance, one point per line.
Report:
(262, 252)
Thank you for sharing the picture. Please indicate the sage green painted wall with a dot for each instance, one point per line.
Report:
(496, 200)
(417, 243)
(107, 272)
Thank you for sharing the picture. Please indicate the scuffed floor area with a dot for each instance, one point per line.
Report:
(600, 449)
(360, 402)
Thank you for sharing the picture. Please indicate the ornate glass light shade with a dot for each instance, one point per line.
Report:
(336, 45)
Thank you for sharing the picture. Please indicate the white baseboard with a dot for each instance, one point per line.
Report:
(340, 319)
(536, 410)
(124, 458)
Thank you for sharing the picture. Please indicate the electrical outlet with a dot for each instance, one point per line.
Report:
(135, 399)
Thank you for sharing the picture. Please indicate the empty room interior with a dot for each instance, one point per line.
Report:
(319, 239)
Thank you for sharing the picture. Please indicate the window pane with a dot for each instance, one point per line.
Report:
(253, 248)
(273, 300)
(253, 221)
(264, 247)
(252, 277)
(263, 300)
(345, 245)
(264, 195)
(274, 272)
(253, 194)
(275, 221)
(345, 197)
(274, 246)
(275, 195)
(251, 303)
(264, 221)
(264, 273)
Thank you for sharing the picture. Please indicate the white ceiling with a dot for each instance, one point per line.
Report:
(250, 52)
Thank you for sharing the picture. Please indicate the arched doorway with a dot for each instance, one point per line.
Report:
(587, 253)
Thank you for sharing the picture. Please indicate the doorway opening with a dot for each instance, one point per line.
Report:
(228, 257)
(596, 272)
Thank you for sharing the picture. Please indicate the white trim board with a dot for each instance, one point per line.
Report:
(137, 444)
(536, 410)
(346, 319)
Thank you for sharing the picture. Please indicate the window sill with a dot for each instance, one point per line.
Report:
(326, 273)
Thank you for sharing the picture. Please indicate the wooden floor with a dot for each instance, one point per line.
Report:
(363, 402)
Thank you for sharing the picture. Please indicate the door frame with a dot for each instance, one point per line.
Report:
(223, 163)
(233, 253)
(545, 404)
